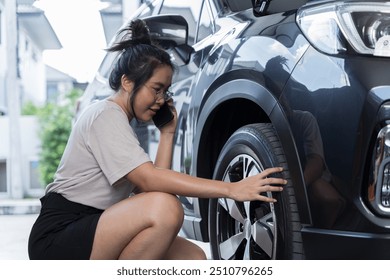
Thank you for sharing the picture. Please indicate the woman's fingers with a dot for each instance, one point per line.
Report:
(270, 171)
(252, 188)
(266, 198)
(268, 184)
(274, 181)
(268, 188)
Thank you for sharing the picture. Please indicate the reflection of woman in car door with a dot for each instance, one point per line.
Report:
(326, 202)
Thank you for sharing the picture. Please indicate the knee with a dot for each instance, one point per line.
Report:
(166, 209)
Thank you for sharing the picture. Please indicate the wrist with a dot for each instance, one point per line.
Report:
(167, 136)
(229, 193)
(167, 132)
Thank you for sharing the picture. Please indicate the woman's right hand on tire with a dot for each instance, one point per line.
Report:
(254, 187)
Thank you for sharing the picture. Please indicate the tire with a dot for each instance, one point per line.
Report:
(254, 230)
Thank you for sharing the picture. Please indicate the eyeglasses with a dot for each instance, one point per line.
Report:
(161, 93)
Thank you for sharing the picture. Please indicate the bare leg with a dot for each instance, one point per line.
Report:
(141, 227)
(182, 249)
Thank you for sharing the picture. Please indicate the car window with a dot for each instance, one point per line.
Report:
(189, 9)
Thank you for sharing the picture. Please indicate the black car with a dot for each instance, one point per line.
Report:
(293, 83)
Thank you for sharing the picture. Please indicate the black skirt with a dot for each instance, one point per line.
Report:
(64, 230)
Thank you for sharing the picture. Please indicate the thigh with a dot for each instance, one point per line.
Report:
(122, 222)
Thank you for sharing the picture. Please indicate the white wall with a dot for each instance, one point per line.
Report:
(32, 70)
(3, 63)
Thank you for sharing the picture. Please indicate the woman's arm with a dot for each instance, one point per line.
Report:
(164, 151)
(150, 178)
(165, 145)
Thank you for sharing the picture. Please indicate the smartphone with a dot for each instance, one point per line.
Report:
(163, 116)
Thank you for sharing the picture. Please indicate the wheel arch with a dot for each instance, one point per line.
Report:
(237, 99)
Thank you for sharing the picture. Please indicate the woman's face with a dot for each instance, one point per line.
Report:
(149, 98)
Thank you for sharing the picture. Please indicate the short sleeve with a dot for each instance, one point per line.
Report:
(115, 145)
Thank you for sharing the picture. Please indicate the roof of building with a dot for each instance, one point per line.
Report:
(112, 20)
(34, 21)
(53, 74)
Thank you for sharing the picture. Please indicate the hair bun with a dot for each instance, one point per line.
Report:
(137, 32)
(140, 32)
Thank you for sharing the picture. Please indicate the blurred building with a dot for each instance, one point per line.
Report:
(116, 13)
(27, 75)
(34, 35)
(59, 83)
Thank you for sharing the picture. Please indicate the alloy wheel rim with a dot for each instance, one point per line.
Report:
(245, 230)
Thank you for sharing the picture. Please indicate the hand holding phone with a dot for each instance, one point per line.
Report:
(163, 116)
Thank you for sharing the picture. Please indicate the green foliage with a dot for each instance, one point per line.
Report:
(29, 109)
(55, 122)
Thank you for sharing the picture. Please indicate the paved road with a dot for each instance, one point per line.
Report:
(14, 232)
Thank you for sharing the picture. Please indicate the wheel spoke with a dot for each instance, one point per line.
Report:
(263, 233)
(247, 209)
(231, 207)
(247, 252)
(254, 170)
(249, 168)
(229, 247)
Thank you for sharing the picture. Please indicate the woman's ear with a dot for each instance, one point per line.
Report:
(127, 84)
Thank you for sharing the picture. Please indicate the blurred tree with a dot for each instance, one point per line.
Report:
(55, 122)
(30, 109)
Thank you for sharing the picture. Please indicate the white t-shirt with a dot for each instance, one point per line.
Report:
(101, 150)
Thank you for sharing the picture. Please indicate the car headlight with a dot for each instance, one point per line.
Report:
(330, 27)
(379, 186)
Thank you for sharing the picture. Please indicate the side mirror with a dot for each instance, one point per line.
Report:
(171, 33)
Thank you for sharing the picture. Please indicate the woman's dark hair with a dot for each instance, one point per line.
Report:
(138, 59)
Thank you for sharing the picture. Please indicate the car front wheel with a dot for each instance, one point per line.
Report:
(254, 230)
